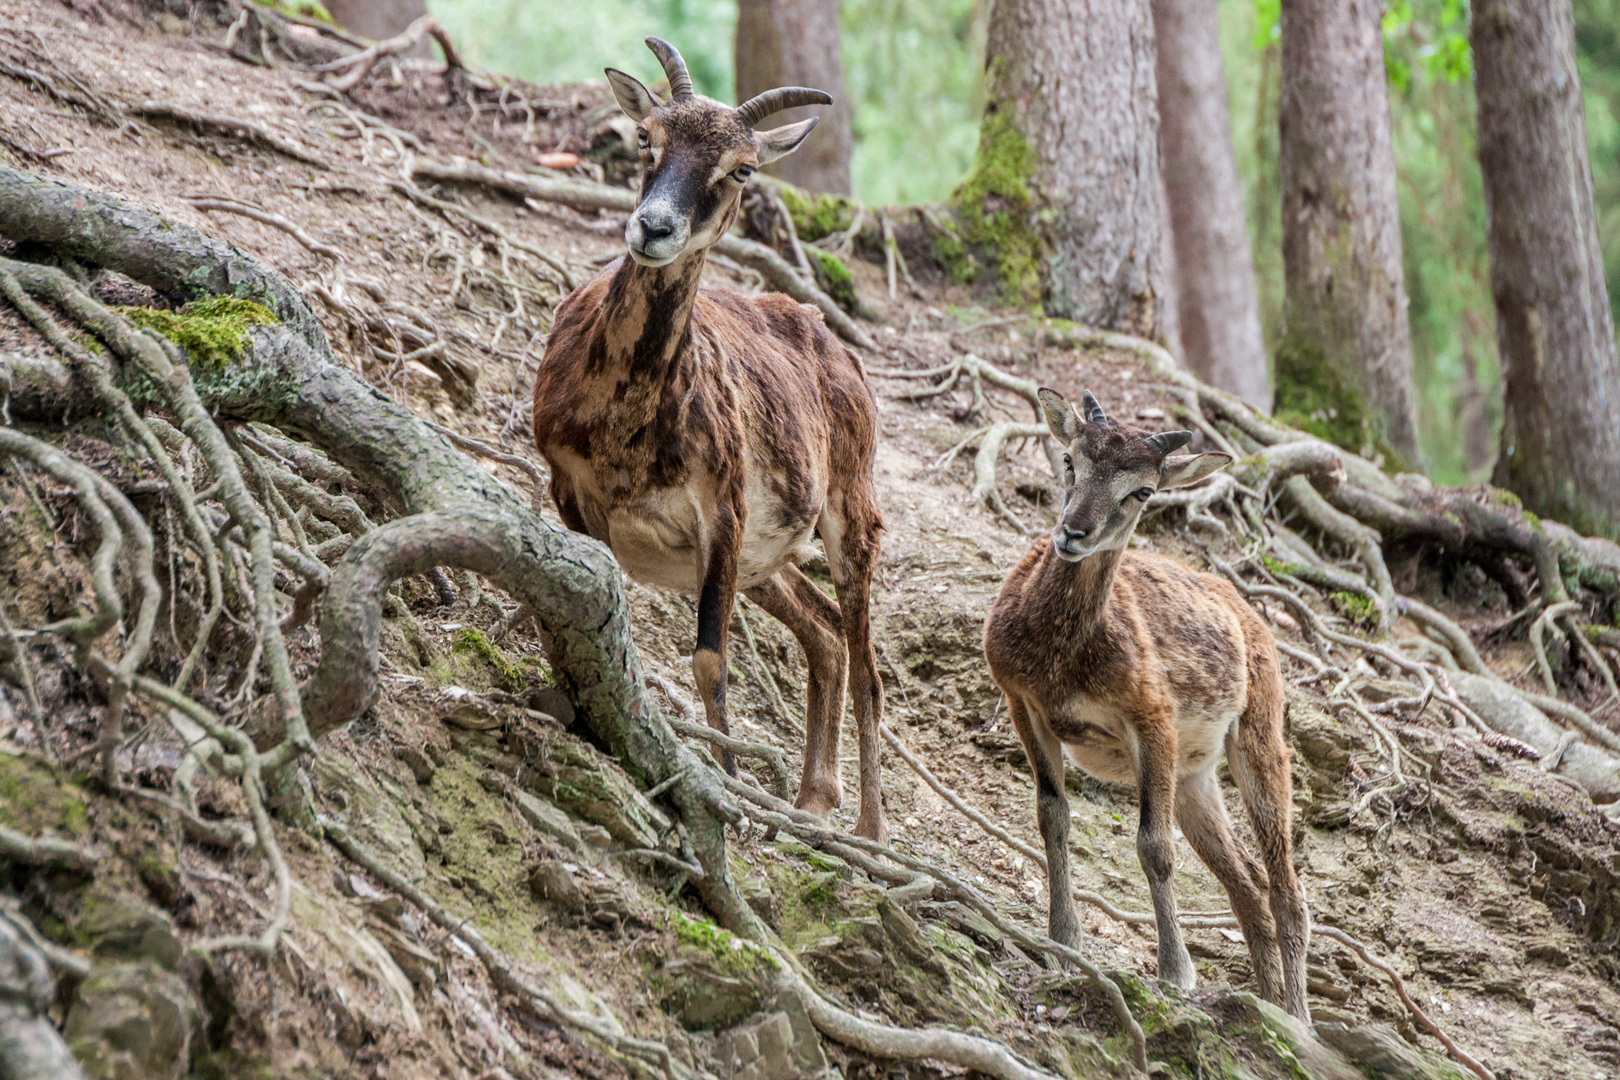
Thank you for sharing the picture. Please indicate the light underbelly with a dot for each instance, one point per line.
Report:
(666, 549)
(1095, 739)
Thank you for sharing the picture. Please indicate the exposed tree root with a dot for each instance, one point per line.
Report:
(1412, 1006)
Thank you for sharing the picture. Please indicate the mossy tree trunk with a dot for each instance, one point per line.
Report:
(1218, 312)
(1344, 369)
(1561, 427)
(1063, 200)
(795, 43)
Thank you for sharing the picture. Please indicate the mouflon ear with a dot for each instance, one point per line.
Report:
(1190, 468)
(1060, 418)
(780, 142)
(634, 98)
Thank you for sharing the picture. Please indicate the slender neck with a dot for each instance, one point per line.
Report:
(1084, 587)
(648, 310)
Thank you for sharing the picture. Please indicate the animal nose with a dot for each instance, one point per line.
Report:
(1076, 531)
(656, 230)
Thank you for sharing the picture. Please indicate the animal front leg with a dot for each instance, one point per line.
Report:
(1052, 815)
(1155, 844)
(715, 601)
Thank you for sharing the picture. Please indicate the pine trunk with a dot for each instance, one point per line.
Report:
(1344, 370)
(1561, 426)
(795, 43)
(1063, 199)
(1219, 315)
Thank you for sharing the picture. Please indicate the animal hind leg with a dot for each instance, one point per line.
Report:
(1259, 758)
(850, 533)
(715, 601)
(1201, 813)
(795, 601)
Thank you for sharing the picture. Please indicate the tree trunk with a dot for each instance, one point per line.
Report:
(1561, 428)
(1063, 199)
(1218, 313)
(1344, 370)
(795, 43)
(376, 19)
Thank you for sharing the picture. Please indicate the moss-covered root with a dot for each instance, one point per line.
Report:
(835, 280)
(213, 332)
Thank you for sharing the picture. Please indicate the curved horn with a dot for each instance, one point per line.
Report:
(1093, 412)
(1166, 441)
(760, 106)
(680, 83)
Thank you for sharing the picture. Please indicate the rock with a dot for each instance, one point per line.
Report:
(553, 702)
(420, 965)
(123, 928)
(766, 904)
(591, 786)
(159, 871)
(550, 880)
(908, 940)
(1379, 1052)
(472, 716)
(1271, 1031)
(547, 819)
(778, 1045)
(132, 1022)
(418, 762)
(710, 979)
(964, 920)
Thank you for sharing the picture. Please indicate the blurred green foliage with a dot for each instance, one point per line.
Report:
(915, 75)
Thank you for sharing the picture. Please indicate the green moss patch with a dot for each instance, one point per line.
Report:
(1356, 608)
(35, 798)
(816, 216)
(835, 279)
(212, 332)
(995, 209)
(510, 675)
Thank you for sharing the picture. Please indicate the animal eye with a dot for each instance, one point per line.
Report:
(1144, 493)
(741, 173)
(1068, 462)
(641, 137)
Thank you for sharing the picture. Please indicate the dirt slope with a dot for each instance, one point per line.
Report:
(1492, 887)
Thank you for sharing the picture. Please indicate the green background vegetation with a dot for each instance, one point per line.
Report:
(915, 71)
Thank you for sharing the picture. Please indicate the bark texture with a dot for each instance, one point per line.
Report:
(1218, 314)
(1344, 370)
(795, 43)
(1064, 193)
(1561, 427)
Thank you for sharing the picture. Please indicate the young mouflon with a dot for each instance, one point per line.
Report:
(707, 436)
(1146, 673)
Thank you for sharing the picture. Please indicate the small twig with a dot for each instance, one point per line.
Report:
(259, 214)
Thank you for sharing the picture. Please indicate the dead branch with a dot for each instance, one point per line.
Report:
(263, 216)
(45, 851)
(1412, 1006)
(361, 63)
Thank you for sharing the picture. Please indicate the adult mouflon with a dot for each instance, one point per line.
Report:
(707, 436)
(1145, 673)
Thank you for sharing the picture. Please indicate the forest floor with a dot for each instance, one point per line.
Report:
(1489, 885)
